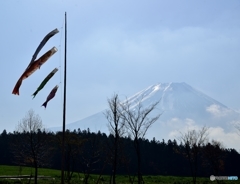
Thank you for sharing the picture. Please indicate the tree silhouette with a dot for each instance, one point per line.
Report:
(30, 143)
(214, 156)
(193, 141)
(116, 128)
(137, 122)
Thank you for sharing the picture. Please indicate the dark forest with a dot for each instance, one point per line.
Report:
(89, 152)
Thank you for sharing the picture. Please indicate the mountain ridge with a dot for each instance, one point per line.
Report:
(181, 105)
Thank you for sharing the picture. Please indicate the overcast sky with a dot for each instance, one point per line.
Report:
(116, 47)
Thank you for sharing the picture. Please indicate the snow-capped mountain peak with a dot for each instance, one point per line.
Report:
(182, 107)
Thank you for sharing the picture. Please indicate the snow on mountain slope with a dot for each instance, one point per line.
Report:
(182, 108)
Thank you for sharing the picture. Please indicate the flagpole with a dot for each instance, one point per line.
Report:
(64, 101)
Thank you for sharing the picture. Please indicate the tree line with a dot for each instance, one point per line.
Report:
(90, 153)
(125, 151)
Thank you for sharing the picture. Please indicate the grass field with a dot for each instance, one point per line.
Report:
(78, 177)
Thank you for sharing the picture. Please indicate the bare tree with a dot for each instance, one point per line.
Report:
(193, 141)
(116, 128)
(73, 144)
(90, 157)
(30, 143)
(137, 122)
(214, 157)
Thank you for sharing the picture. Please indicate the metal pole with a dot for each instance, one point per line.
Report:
(64, 101)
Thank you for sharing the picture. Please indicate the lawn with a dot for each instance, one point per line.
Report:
(55, 176)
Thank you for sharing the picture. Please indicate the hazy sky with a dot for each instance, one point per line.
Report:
(116, 47)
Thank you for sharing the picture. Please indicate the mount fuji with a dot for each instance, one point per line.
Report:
(183, 108)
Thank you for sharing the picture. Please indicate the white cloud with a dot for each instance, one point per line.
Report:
(177, 123)
(228, 139)
(181, 126)
(217, 111)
